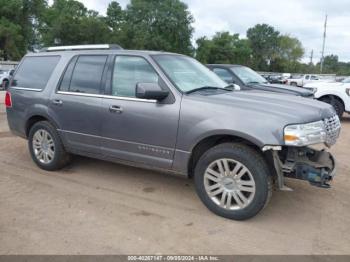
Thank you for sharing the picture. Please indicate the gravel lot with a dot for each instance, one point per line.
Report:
(95, 207)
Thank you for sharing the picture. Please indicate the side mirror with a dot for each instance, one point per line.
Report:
(236, 87)
(150, 91)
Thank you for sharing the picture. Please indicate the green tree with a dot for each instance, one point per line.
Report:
(69, 22)
(115, 19)
(330, 64)
(158, 25)
(263, 41)
(288, 55)
(223, 48)
(18, 26)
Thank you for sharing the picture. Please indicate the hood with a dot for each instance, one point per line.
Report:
(327, 84)
(287, 109)
(285, 89)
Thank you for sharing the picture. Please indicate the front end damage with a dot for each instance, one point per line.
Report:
(305, 163)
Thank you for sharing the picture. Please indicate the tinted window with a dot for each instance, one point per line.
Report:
(64, 86)
(35, 72)
(307, 77)
(223, 74)
(128, 71)
(87, 74)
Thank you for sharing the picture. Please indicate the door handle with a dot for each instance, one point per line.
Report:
(57, 102)
(116, 109)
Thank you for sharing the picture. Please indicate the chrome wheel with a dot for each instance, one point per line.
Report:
(43, 146)
(229, 184)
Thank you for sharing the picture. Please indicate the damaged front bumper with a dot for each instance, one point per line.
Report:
(305, 163)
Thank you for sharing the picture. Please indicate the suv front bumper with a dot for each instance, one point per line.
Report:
(305, 163)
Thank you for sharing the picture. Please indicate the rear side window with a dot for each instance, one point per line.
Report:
(86, 76)
(35, 72)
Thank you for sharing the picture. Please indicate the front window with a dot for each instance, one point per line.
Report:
(187, 73)
(128, 71)
(247, 75)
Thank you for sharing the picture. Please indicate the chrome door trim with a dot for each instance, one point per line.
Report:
(117, 140)
(26, 89)
(107, 96)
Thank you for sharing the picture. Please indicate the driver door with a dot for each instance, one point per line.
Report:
(133, 129)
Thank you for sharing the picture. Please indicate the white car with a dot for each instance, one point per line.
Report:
(5, 76)
(306, 79)
(337, 94)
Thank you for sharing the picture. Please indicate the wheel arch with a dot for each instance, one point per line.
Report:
(212, 140)
(35, 118)
(331, 96)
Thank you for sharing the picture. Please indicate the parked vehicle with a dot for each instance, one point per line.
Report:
(5, 76)
(337, 94)
(275, 79)
(248, 79)
(169, 112)
(306, 79)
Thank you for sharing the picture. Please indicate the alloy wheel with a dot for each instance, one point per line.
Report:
(229, 184)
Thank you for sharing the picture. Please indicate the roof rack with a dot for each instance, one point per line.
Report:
(82, 47)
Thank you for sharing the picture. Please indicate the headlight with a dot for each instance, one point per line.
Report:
(347, 91)
(305, 134)
(312, 89)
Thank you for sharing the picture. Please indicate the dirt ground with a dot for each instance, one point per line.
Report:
(96, 207)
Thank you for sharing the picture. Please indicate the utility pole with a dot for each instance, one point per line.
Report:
(311, 56)
(324, 42)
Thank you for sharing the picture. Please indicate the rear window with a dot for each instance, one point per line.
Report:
(35, 72)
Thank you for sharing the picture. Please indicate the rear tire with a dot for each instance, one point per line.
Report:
(46, 148)
(245, 184)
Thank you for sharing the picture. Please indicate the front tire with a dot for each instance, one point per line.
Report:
(233, 181)
(46, 148)
(336, 103)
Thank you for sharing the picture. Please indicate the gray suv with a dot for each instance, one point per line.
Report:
(169, 112)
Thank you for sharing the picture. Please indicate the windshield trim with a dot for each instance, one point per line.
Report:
(167, 76)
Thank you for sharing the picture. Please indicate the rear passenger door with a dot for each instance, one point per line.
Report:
(76, 104)
(138, 130)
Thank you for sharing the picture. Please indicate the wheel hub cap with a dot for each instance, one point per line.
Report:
(229, 184)
(43, 146)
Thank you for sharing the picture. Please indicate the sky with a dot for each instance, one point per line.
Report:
(303, 19)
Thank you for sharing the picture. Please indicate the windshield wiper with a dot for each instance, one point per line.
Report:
(204, 88)
(253, 82)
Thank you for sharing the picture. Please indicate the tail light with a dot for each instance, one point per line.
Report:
(8, 100)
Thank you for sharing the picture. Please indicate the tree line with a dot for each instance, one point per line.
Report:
(29, 25)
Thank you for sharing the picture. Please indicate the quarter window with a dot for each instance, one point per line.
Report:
(34, 72)
(128, 71)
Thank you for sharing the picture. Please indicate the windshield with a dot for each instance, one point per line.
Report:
(187, 73)
(247, 75)
(346, 80)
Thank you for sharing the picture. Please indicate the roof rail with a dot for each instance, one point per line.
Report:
(82, 47)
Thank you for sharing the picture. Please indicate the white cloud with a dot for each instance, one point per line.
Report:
(303, 19)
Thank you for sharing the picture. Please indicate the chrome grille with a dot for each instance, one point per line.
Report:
(333, 126)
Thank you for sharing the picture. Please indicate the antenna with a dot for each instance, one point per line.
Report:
(324, 42)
